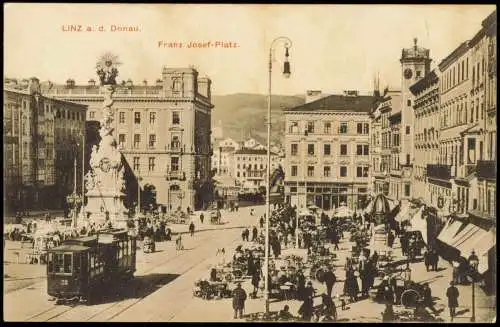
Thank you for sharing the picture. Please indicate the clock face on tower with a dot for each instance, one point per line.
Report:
(408, 73)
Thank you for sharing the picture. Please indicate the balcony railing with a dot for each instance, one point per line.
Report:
(486, 169)
(175, 174)
(175, 148)
(439, 171)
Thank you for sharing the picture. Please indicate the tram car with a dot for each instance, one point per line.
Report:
(80, 267)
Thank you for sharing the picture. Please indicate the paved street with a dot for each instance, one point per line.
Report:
(162, 289)
(165, 276)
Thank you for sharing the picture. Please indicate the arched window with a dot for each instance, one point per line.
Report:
(175, 188)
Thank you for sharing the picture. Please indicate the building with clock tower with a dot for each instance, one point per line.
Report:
(415, 64)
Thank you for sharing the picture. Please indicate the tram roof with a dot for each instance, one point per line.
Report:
(70, 247)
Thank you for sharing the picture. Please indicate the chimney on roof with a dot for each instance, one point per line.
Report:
(34, 85)
(351, 93)
(313, 95)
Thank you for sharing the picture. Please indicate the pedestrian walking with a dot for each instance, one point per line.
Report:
(202, 217)
(254, 234)
(435, 260)
(330, 279)
(243, 234)
(178, 243)
(390, 239)
(428, 301)
(239, 298)
(251, 212)
(306, 310)
(300, 285)
(255, 283)
(336, 240)
(427, 259)
(261, 222)
(236, 206)
(452, 294)
(191, 228)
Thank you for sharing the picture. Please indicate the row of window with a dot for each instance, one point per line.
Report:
(361, 149)
(361, 171)
(260, 158)
(250, 166)
(174, 163)
(176, 118)
(457, 115)
(361, 128)
(250, 174)
(455, 75)
(175, 143)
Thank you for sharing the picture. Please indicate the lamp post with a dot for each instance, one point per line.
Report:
(139, 178)
(286, 74)
(83, 175)
(73, 198)
(473, 263)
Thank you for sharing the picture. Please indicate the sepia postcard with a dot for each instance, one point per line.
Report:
(249, 163)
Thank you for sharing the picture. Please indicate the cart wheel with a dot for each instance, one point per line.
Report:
(409, 298)
(238, 274)
(229, 277)
(320, 274)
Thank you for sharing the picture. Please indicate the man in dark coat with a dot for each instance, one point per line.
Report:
(191, 228)
(390, 239)
(202, 217)
(306, 310)
(330, 279)
(255, 283)
(239, 298)
(452, 295)
(434, 260)
(261, 222)
(404, 244)
(427, 259)
(254, 234)
(301, 285)
(336, 239)
(428, 301)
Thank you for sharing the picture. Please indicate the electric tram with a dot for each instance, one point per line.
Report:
(79, 268)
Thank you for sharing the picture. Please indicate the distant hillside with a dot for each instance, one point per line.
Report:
(244, 115)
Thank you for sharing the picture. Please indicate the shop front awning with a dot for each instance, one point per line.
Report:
(404, 213)
(369, 207)
(463, 235)
(449, 231)
(481, 247)
(419, 223)
(466, 243)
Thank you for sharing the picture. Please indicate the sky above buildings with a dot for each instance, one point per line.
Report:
(335, 47)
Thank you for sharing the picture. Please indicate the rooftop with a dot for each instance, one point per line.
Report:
(415, 52)
(340, 103)
(254, 151)
(459, 51)
(425, 82)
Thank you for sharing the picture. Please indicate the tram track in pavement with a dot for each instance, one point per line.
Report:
(185, 270)
(57, 311)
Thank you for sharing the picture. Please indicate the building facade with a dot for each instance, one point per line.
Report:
(222, 159)
(327, 150)
(426, 128)
(163, 131)
(249, 167)
(415, 65)
(43, 137)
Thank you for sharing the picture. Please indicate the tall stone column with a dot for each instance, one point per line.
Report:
(105, 182)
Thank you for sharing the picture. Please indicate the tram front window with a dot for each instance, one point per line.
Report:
(61, 263)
